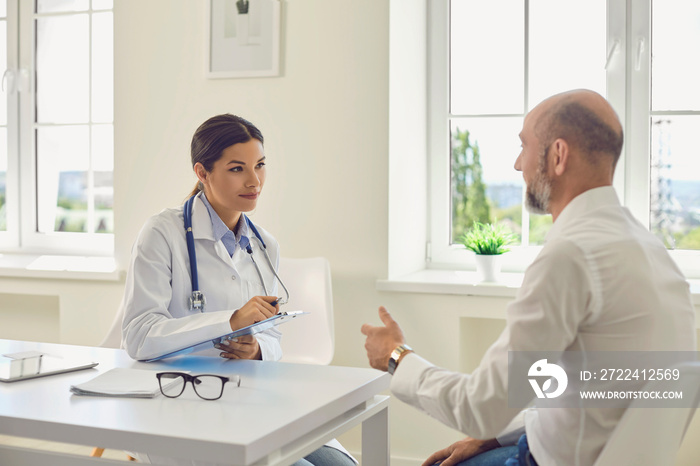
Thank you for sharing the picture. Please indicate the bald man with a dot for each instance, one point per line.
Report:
(602, 282)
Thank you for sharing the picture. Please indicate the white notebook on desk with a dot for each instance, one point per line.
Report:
(120, 382)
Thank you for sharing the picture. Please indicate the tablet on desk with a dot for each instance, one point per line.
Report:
(257, 327)
(13, 369)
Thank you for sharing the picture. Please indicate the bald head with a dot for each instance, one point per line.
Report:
(585, 120)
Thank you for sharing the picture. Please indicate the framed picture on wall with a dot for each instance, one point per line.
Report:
(243, 39)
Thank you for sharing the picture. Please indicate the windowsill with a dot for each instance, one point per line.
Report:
(459, 282)
(59, 267)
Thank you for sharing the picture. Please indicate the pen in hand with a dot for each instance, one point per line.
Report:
(275, 302)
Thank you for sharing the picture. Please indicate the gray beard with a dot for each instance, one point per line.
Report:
(537, 195)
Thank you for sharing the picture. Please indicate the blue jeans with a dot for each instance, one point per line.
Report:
(513, 455)
(325, 456)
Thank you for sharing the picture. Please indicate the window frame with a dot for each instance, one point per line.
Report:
(628, 80)
(10, 237)
(22, 235)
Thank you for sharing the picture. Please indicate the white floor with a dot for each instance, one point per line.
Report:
(59, 447)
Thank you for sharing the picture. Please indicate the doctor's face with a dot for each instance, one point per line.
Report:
(236, 179)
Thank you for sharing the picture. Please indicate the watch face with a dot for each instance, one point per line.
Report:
(394, 359)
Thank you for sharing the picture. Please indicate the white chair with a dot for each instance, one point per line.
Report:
(653, 435)
(308, 339)
(113, 339)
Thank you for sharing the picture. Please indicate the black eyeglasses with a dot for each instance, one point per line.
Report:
(206, 386)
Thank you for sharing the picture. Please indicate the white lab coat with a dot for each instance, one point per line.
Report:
(157, 317)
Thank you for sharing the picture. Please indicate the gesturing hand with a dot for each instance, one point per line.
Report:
(382, 340)
(460, 451)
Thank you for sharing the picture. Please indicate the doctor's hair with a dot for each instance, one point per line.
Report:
(215, 135)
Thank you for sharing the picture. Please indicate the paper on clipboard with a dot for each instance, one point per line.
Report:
(257, 327)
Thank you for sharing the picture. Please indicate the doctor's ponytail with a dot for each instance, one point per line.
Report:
(215, 135)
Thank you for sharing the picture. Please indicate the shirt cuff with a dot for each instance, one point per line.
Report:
(406, 379)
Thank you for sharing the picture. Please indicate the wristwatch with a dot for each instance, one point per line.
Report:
(395, 356)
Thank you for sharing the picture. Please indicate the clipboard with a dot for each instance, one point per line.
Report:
(257, 327)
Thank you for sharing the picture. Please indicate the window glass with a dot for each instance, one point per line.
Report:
(674, 202)
(485, 186)
(102, 68)
(102, 4)
(75, 84)
(59, 127)
(3, 67)
(486, 57)
(58, 6)
(676, 55)
(3, 178)
(567, 47)
(487, 78)
(103, 171)
(63, 69)
(3, 118)
(674, 213)
(63, 158)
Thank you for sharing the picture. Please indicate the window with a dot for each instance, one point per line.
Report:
(5, 109)
(56, 126)
(492, 62)
(674, 120)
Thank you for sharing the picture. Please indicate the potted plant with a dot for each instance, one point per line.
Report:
(489, 242)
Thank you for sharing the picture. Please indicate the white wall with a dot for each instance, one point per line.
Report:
(326, 123)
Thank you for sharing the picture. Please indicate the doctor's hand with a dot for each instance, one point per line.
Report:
(244, 347)
(382, 340)
(255, 310)
(460, 451)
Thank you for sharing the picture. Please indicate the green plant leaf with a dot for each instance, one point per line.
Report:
(487, 239)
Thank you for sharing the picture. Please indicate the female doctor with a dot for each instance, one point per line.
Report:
(228, 159)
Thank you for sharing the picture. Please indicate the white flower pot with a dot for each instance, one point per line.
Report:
(488, 267)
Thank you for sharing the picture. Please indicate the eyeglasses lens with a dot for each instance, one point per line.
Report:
(208, 387)
(171, 385)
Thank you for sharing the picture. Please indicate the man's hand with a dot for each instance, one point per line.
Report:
(460, 451)
(382, 340)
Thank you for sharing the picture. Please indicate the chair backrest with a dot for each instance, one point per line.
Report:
(113, 339)
(309, 339)
(654, 435)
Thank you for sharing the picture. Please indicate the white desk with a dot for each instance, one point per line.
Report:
(280, 413)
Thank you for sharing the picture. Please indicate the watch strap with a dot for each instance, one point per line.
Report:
(396, 356)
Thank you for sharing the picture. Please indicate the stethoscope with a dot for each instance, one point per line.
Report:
(197, 300)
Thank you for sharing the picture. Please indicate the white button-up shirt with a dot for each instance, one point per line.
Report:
(602, 282)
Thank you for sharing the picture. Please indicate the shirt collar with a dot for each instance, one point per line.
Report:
(585, 202)
(219, 228)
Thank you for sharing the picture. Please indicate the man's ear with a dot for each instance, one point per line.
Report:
(559, 156)
(201, 172)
